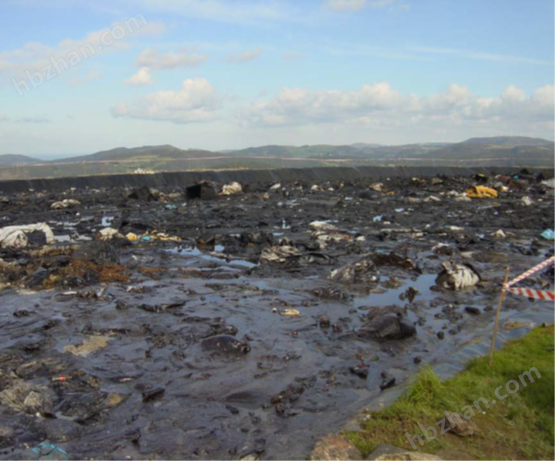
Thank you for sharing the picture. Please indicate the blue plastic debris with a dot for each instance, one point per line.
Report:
(171, 207)
(548, 234)
(49, 451)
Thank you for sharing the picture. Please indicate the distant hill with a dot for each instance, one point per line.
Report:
(512, 141)
(505, 151)
(137, 153)
(15, 159)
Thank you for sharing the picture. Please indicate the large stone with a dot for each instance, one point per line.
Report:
(459, 425)
(335, 447)
(455, 455)
(384, 449)
(388, 327)
(408, 456)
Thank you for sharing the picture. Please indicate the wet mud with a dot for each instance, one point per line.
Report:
(248, 325)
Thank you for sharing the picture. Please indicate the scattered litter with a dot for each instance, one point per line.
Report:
(66, 203)
(457, 276)
(526, 201)
(232, 188)
(201, 190)
(548, 234)
(144, 194)
(290, 312)
(90, 345)
(18, 236)
(48, 451)
(481, 192)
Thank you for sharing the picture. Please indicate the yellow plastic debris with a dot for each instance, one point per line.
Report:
(132, 237)
(481, 192)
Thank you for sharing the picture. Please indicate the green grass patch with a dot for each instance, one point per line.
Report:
(519, 426)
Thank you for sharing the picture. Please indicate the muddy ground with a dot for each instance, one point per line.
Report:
(220, 327)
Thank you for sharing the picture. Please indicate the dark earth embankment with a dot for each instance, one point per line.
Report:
(249, 177)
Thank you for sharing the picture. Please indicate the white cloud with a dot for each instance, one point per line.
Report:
(91, 75)
(480, 55)
(379, 105)
(4, 118)
(238, 11)
(292, 56)
(357, 5)
(51, 61)
(36, 119)
(247, 55)
(187, 57)
(197, 101)
(142, 78)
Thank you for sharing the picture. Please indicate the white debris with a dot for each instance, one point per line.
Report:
(109, 233)
(278, 254)
(457, 276)
(526, 201)
(377, 187)
(276, 186)
(232, 188)
(322, 226)
(500, 234)
(66, 203)
(16, 236)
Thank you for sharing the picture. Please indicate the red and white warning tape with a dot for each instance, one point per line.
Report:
(529, 293)
(533, 294)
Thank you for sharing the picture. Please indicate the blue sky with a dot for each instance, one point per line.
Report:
(221, 74)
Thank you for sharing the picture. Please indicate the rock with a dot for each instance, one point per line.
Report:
(440, 335)
(250, 457)
(143, 194)
(459, 425)
(407, 456)
(324, 321)
(225, 345)
(97, 252)
(202, 190)
(457, 276)
(472, 310)
(335, 447)
(393, 259)
(361, 370)
(388, 327)
(363, 272)
(153, 394)
(387, 382)
(455, 455)
(384, 449)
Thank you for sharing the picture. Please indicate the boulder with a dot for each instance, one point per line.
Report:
(335, 447)
(388, 327)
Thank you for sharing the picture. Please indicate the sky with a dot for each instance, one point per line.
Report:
(79, 77)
